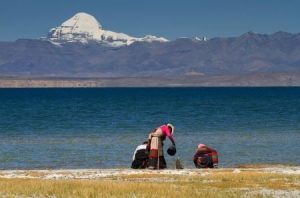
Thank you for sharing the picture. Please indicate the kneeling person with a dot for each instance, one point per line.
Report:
(140, 159)
(205, 157)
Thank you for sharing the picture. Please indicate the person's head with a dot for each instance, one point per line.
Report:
(201, 145)
(145, 142)
(171, 128)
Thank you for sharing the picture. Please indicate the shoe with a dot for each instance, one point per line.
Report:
(151, 167)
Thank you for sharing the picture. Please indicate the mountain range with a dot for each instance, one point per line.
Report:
(81, 48)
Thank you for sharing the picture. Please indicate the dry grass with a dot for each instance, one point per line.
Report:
(216, 183)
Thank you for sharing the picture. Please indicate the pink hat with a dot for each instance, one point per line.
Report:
(201, 145)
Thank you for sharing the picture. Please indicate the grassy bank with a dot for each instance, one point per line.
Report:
(210, 183)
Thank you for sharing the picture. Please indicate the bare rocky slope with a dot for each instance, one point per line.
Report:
(248, 60)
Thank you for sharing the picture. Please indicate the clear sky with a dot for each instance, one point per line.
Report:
(170, 19)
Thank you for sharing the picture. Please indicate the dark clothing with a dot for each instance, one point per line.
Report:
(140, 159)
(206, 157)
(152, 162)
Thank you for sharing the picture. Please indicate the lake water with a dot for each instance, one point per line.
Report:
(101, 127)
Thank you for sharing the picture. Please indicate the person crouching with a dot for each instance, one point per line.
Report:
(139, 158)
(205, 157)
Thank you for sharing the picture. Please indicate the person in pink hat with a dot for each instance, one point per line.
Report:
(205, 157)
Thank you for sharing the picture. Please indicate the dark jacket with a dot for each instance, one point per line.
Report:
(140, 159)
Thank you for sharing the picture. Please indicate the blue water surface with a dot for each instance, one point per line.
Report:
(100, 127)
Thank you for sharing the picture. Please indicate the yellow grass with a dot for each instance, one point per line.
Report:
(216, 183)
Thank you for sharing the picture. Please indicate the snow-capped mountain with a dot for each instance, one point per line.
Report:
(84, 28)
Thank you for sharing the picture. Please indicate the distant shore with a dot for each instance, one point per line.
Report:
(238, 80)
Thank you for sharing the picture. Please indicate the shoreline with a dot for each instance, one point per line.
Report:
(106, 173)
(280, 79)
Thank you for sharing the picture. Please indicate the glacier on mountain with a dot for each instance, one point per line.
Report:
(84, 28)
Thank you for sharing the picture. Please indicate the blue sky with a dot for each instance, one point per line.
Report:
(170, 19)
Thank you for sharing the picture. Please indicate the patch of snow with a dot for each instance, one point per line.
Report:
(83, 28)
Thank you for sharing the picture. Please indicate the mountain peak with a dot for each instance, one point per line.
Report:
(80, 27)
(82, 22)
(83, 27)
